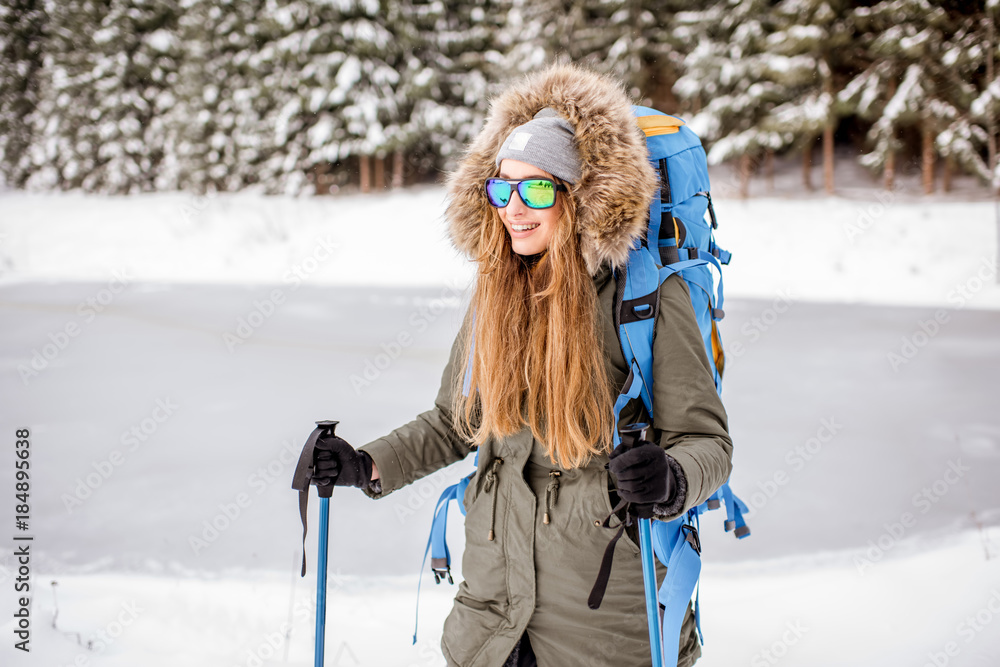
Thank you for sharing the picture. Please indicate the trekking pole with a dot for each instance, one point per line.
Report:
(649, 581)
(630, 435)
(301, 481)
(324, 533)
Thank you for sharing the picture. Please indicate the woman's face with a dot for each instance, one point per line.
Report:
(530, 229)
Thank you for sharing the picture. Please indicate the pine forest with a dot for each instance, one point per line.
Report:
(312, 96)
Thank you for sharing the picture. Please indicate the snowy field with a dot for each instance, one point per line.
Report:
(875, 248)
(169, 354)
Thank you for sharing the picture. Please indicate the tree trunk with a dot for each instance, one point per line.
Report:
(807, 150)
(890, 156)
(397, 170)
(949, 168)
(928, 157)
(744, 175)
(769, 169)
(828, 158)
(890, 170)
(366, 185)
(379, 174)
(660, 79)
(831, 125)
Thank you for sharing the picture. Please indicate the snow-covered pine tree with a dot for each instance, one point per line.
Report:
(23, 24)
(635, 40)
(809, 47)
(218, 135)
(910, 42)
(963, 138)
(113, 66)
(736, 82)
(648, 49)
(337, 78)
(453, 59)
(582, 31)
(985, 109)
(65, 144)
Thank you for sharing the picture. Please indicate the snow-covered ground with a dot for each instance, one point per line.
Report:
(862, 393)
(878, 248)
(939, 603)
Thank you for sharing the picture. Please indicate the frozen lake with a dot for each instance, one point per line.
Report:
(157, 417)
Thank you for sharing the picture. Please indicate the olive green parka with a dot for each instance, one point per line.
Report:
(535, 575)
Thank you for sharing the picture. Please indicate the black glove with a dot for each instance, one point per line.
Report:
(336, 463)
(643, 476)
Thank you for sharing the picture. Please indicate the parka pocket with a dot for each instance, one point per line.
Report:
(484, 563)
(469, 627)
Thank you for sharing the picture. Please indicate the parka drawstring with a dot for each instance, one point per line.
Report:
(551, 492)
(490, 487)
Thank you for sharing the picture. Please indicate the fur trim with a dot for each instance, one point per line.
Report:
(617, 182)
(670, 508)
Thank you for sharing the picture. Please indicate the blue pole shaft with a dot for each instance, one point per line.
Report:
(324, 532)
(649, 579)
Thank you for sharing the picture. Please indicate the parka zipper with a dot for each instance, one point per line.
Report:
(551, 492)
(490, 487)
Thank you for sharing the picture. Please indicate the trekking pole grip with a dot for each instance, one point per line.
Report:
(633, 434)
(302, 477)
(327, 430)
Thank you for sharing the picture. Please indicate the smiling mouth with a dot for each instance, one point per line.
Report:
(524, 228)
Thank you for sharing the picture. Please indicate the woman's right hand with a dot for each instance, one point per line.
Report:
(336, 463)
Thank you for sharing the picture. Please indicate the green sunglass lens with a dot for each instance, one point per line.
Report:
(538, 194)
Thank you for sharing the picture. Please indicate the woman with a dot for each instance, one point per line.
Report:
(547, 200)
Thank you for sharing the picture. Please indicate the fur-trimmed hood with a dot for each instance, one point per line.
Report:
(617, 182)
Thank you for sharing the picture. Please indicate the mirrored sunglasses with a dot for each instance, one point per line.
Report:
(534, 192)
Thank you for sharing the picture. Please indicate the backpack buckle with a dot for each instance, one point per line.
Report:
(691, 537)
(441, 573)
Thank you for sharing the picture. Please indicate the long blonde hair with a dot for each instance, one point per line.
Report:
(538, 358)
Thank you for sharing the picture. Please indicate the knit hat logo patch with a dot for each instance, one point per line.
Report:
(519, 141)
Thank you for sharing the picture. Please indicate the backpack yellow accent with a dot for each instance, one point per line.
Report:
(717, 351)
(655, 125)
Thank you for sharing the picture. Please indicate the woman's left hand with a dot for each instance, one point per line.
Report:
(643, 474)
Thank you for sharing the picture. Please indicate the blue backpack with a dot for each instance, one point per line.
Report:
(678, 240)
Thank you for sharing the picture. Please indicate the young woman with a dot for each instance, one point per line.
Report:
(547, 201)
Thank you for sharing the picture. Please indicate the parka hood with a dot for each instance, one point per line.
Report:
(617, 182)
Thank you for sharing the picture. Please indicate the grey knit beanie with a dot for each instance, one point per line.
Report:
(546, 142)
